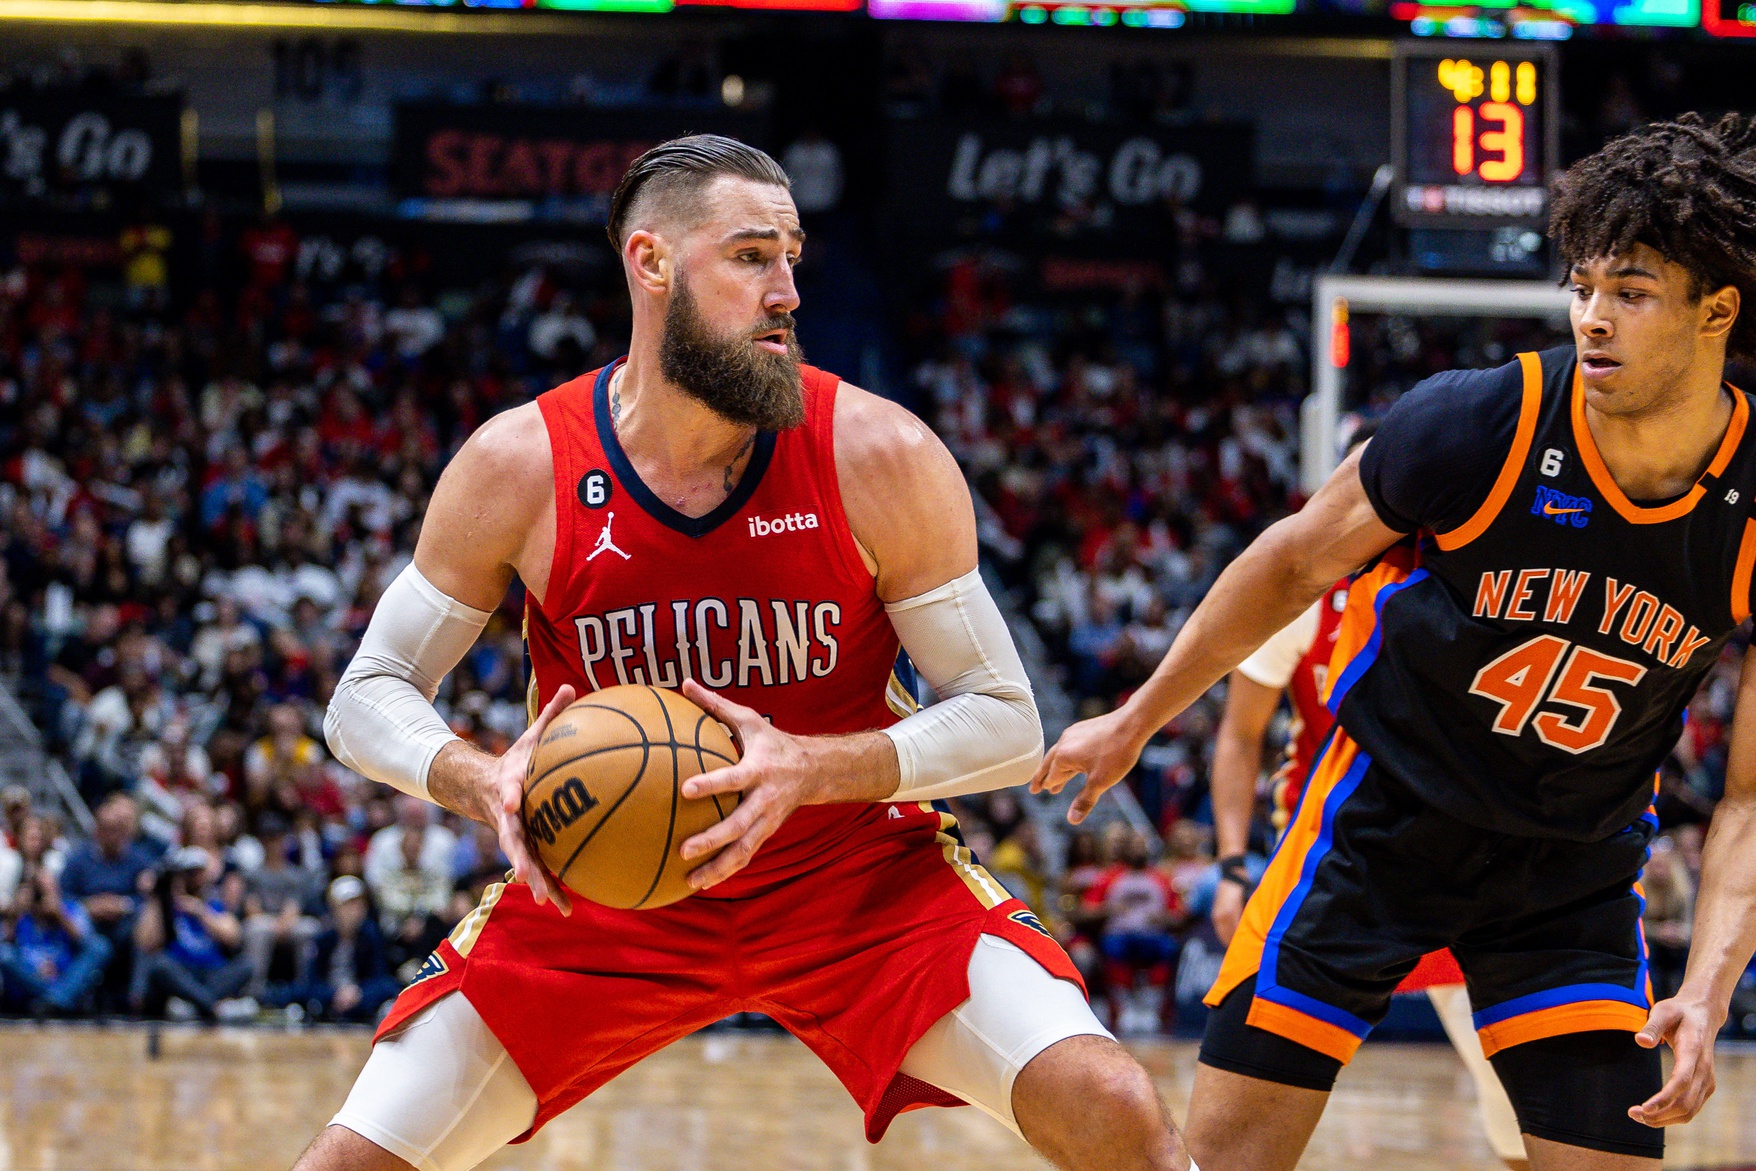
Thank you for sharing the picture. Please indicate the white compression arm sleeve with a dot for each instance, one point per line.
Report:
(984, 733)
(381, 722)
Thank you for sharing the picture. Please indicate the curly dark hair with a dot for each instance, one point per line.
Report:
(1685, 189)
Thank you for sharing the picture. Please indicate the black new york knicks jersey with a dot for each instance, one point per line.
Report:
(1523, 660)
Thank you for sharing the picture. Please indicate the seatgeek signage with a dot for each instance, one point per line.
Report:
(549, 161)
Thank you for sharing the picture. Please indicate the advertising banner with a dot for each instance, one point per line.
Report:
(63, 145)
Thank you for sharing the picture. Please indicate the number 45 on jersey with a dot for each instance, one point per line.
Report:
(1519, 682)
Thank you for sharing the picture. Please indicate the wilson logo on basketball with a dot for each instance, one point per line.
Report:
(792, 522)
(565, 806)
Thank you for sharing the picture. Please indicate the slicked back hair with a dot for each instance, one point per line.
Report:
(683, 166)
(1685, 189)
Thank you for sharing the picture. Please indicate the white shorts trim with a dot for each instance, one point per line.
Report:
(1016, 1009)
(440, 1093)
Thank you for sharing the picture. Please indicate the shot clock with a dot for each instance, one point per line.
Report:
(1473, 135)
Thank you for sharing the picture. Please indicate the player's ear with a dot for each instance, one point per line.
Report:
(649, 261)
(1720, 311)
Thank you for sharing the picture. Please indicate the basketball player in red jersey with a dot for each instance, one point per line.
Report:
(1294, 662)
(712, 514)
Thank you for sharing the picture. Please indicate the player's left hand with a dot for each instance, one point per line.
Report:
(774, 774)
(1688, 1027)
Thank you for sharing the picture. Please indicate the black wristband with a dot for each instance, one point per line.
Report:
(1234, 868)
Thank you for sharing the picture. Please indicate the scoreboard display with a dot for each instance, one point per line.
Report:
(1474, 139)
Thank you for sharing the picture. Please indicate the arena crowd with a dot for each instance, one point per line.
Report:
(205, 493)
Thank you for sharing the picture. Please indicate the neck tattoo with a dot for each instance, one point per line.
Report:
(729, 482)
(616, 407)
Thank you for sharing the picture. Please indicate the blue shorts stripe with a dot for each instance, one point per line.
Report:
(1368, 654)
(1313, 1007)
(1289, 910)
(1555, 997)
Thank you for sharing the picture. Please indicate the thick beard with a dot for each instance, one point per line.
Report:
(733, 376)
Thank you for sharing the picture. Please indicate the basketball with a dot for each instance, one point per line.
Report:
(603, 796)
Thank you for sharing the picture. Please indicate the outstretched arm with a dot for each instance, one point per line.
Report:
(1282, 572)
(1724, 937)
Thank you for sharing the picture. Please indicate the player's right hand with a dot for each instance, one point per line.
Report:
(1228, 909)
(506, 805)
(1688, 1024)
(1103, 748)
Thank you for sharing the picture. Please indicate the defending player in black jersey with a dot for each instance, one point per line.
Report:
(1554, 553)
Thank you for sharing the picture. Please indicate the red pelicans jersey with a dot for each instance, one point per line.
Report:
(854, 923)
(764, 600)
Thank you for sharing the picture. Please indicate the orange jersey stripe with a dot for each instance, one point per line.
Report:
(1360, 621)
(1606, 483)
(1507, 480)
(1741, 575)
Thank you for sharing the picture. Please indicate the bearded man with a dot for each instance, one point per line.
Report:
(791, 543)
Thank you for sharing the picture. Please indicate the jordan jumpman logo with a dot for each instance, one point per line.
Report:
(606, 544)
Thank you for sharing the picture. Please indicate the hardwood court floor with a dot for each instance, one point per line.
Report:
(84, 1099)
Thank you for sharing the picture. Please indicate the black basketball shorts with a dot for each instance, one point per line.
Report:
(1368, 878)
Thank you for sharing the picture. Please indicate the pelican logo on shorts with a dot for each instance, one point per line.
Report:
(1025, 918)
(561, 809)
(433, 965)
(1561, 508)
(792, 522)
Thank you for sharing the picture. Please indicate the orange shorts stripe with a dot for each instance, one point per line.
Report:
(1327, 1039)
(1244, 956)
(1582, 1017)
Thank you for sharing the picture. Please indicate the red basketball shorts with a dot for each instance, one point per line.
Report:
(857, 958)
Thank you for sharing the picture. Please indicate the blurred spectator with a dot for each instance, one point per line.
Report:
(351, 977)
(172, 770)
(1669, 914)
(286, 749)
(385, 855)
(187, 944)
(1188, 855)
(562, 324)
(51, 957)
(221, 633)
(277, 931)
(413, 326)
(36, 846)
(238, 849)
(1140, 908)
(110, 874)
(15, 812)
(412, 903)
(1018, 865)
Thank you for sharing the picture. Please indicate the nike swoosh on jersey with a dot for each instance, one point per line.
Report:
(1550, 510)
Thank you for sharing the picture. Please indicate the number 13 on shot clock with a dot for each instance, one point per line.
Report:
(1473, 135)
